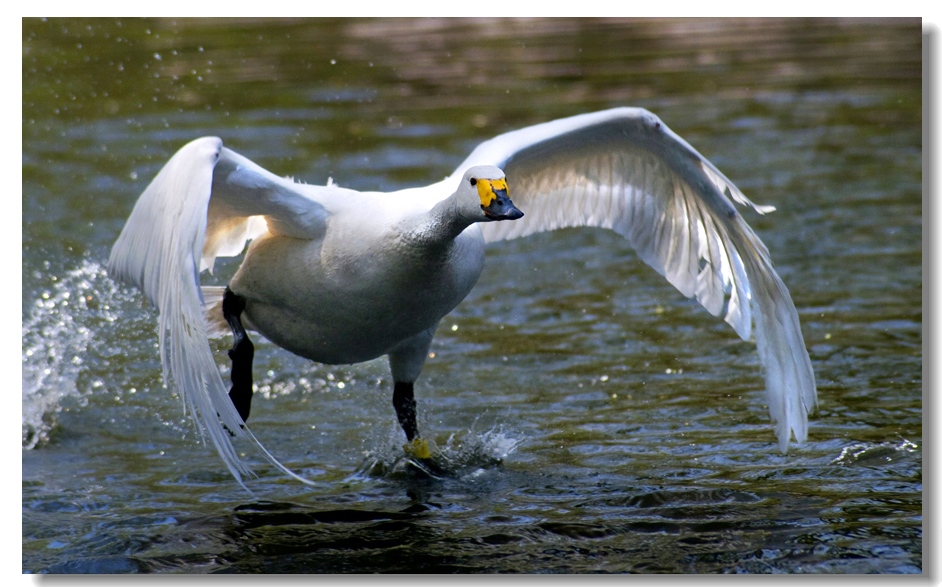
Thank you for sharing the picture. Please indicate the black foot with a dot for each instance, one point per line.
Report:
(242, 353)
(404, 402)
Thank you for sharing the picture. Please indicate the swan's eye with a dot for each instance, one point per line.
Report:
(474, 181)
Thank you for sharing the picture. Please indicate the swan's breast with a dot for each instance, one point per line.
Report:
(349, 298)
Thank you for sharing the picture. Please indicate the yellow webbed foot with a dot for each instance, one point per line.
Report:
(419, 448)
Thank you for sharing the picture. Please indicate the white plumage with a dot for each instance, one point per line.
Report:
(341, 276)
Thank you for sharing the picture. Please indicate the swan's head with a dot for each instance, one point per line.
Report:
(484, 187)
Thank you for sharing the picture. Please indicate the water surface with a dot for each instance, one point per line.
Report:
(597, 419)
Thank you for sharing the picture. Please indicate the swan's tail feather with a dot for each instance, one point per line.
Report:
(216, 325)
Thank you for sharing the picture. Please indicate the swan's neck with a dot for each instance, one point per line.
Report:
(445, 221)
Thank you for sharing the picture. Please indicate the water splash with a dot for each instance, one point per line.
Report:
(58, 327)
(458, 457)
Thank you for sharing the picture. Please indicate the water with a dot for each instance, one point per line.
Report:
(598, 421)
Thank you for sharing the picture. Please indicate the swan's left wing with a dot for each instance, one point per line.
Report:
(623, 169)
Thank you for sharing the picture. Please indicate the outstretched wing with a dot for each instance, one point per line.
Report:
(205, 202)
(623, 169)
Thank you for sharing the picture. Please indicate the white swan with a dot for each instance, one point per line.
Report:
(340, 276)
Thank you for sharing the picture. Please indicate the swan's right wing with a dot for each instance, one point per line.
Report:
(207, 201)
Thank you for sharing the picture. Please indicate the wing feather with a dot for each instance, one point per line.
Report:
(623, 169)
(205, 202)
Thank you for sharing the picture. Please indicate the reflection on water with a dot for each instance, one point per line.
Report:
(597, 420)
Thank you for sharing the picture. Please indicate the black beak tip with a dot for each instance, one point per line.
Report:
(509, 213)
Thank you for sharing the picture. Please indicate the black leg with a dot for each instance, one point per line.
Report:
(404, 402)
(241, 353)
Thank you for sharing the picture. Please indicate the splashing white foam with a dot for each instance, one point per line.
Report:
(463, 455)
(58, 327)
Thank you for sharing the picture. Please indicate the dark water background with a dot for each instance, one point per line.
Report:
(629, 424)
